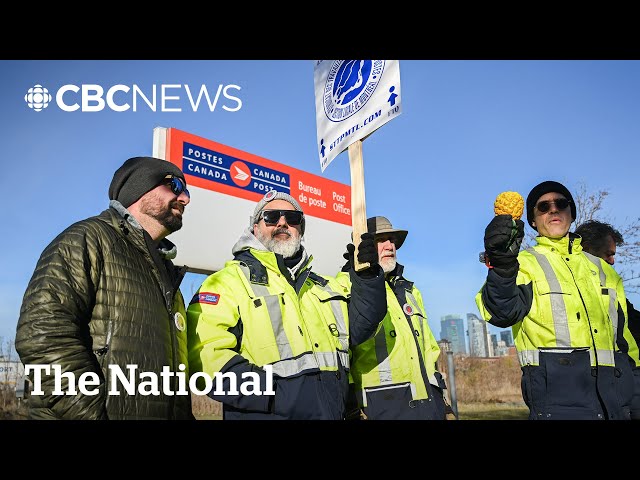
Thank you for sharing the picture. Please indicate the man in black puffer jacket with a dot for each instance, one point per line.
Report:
(105, 296)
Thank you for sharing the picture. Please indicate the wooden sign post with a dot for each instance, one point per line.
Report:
(358, 205)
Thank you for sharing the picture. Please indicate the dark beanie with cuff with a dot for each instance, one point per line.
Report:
(542, 189)
(137, 176)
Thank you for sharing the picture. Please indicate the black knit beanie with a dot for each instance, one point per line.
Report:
(543, 188)
(137, 176)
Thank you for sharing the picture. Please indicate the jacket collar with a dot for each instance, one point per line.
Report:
(570, 243)
(165, 247)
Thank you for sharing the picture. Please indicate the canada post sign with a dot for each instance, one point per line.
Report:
(229, 170)
(224, 169)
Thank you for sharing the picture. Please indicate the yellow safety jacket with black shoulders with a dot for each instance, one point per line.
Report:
(567, 310)
(395, 372)
(252, 313)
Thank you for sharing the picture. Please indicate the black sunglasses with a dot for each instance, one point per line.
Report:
(271, 217)
(177, 186)
(545, 205)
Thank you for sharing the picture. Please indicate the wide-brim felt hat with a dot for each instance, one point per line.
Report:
(382, 226)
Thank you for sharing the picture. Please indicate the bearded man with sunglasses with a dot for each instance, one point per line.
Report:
(267, 311)
(567, 310)
(105, 294)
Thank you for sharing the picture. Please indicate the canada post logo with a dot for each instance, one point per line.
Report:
(240, 173)
(227, 170)
(210, 298)
(121, 98)
(349, 86)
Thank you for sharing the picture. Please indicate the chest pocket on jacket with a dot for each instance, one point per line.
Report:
(337, 322)
(265, 327)
(553, 300)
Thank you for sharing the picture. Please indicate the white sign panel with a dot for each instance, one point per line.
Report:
(353, 99)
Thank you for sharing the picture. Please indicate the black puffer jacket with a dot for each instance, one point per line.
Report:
(97, 299)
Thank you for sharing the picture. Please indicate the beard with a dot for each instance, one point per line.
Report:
(287, 248)
(388, 264)
(163, 214)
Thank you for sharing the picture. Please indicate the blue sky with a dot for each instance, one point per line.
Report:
(469, 130)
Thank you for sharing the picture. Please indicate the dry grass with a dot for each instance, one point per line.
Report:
(10, 407)
(486, 380)
(493, 411)
(205, 408)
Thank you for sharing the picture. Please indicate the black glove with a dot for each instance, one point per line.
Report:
(367, 253)
(502, 239)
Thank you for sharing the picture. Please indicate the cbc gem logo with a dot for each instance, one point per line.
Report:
(37, 98)
(349, 86)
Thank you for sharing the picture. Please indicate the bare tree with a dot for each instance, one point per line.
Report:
(590, 206)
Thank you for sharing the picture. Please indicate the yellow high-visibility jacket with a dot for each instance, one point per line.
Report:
(567, 309)
(395, 372)
(253, 313)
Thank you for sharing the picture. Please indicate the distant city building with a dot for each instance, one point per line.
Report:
(479, 341)
(501, 350)
(505, 336)
(452, 329)
(494, 341)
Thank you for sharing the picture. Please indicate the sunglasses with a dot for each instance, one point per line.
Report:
(177, 186)
(271, 217)
(560, 203)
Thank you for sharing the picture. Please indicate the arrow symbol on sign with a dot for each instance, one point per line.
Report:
(240, 175)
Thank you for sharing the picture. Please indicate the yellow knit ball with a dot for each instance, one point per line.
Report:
(510, 203)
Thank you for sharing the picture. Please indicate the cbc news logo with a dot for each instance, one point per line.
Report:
(37, 98)
(120, 98)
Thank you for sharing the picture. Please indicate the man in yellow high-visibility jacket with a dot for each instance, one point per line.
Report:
(567, 310)
(601, 239)
(395, 374)
(267, 312)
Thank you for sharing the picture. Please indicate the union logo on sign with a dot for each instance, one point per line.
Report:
(349, 86)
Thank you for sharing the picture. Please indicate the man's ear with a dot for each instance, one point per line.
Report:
(533, 224)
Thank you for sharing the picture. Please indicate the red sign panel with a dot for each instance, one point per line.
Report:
(213, 166)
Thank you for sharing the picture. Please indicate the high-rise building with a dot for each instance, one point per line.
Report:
(494, 341)
(501, 349)
(452, 329)
(505, 336)
(479, 342)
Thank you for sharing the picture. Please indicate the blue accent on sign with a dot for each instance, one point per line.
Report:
(350, 80)
(215, 166)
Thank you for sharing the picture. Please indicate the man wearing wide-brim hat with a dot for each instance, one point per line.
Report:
(567, 309)
(394, 372)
